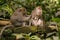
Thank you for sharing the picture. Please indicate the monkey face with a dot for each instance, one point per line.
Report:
(18, 18)
(38, 11)
(22, 9)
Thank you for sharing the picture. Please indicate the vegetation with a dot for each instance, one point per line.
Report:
(50, 7)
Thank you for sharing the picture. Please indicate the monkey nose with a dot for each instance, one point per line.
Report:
(35, 18)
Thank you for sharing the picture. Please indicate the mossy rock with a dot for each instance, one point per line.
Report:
(25, 29)
(22, 30)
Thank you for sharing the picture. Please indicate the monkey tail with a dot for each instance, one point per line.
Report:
(4, 29)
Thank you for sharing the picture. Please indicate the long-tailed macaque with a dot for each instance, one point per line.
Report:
(36, 17)
(19, 17)
(37, 20)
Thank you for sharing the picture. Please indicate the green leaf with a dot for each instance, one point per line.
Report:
(55, 19)
(7, 8)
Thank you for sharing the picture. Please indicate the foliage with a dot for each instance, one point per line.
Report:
(50, 7)
(26, 36)
(56, 20)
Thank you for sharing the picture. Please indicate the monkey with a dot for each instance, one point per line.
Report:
(19, 17)
(37, 20)
(36, 17)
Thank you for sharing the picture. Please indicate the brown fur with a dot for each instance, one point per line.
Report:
(19, 17)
